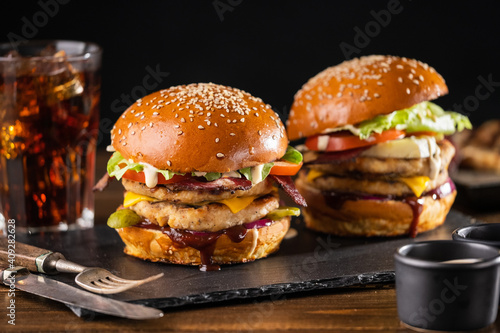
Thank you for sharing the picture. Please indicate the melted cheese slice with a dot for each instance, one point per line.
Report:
(417, 184)
(132, 198)
(313, 174)
(410, 147)
(237, 204)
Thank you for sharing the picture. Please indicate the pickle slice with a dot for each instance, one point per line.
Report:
(123, 218)
(282, 212)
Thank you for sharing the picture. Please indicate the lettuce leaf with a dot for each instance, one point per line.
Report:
(292, 155)
(116, 169)
(247, 172)
(425, 116)
(118, 165)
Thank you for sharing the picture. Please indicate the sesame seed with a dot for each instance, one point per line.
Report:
(142, 117)
(150, 124)
(229, 121)
(256, 114)
(183, 120)
(169, 163)
(133, 132)
(201, 127)
(242, 120)
(124, 143)
(119, 131)
(399, 66)
(260, 132)
(410, 76)
(416, 82)
(216, 125)
(400, 79)
(123, 116)
(209, 114)
(380, 83)
(208, 122)
(176, 126)
(129, 125)
(132, 111)
(155, 113)
(216, 140)
(234, 121)
(220, 155)
(376, 95)
(232, 134)
(339, 94)
(421, 77)
(408, 91)
(143, 128)
(254, 108)
(179, 133)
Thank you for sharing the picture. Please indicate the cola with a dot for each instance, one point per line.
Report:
(49, 116)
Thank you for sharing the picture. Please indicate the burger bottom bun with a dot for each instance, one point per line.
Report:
(153, 245)
(371, 217)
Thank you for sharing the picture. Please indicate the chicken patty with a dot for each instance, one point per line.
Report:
(401, 167)
(207, 217)
(391, 186)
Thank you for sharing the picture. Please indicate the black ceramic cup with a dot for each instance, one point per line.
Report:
(488, 233)
(447, 285)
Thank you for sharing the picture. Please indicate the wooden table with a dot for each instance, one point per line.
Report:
(369, 308)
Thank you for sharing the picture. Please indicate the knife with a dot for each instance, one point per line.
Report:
(61, 292)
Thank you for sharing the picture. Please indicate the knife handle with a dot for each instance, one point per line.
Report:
(33, 258)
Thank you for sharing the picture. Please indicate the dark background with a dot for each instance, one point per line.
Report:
(271, 48)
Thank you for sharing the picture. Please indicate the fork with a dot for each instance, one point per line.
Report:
(38, 260)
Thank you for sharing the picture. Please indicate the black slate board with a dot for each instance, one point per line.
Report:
(306, 262)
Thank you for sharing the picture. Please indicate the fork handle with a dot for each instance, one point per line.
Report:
(33, 258)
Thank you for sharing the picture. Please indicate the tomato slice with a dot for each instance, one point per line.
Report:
(422, 133)
(345, 140)
(139, 177)
(285, 168)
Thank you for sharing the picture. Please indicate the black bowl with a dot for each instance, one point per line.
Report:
(433, 293)
(488, 233)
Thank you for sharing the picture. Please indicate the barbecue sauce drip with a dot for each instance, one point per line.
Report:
(201, 241)
(416, 205)
(337, 199)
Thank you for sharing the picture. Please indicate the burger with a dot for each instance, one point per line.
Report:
(376, 155)
(200, 164)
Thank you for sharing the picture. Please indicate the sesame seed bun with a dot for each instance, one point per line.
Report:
(153, 245)
(361, 89)
(200, 127)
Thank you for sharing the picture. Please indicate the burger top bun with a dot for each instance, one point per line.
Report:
(361, 89)
(200, 127)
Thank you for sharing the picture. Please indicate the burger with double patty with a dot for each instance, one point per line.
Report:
(199, 164)
(375, 155)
